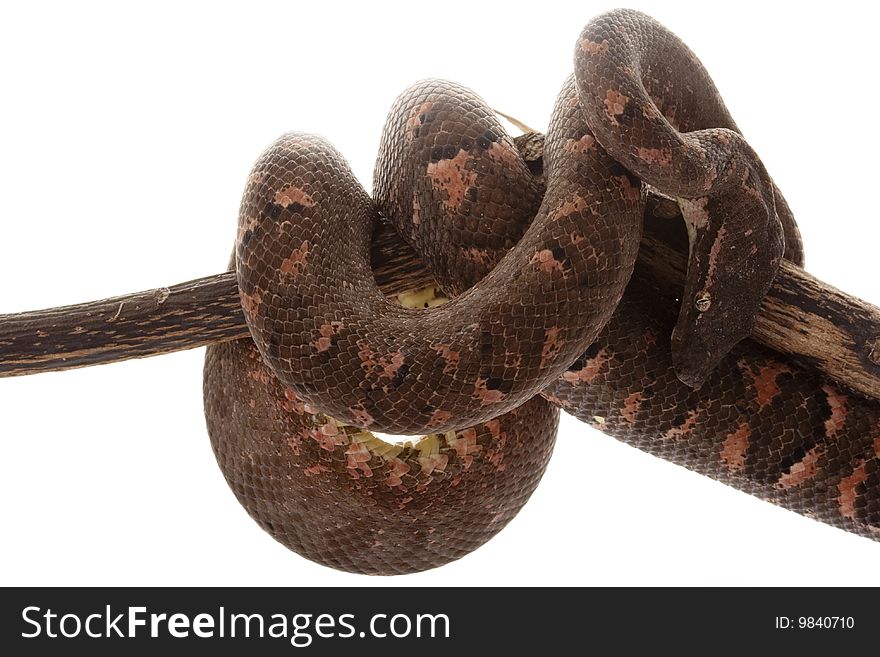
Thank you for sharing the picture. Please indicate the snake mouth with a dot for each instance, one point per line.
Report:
(692, 360)
(692, 379)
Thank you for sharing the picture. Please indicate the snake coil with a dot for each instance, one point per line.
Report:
(545, 313)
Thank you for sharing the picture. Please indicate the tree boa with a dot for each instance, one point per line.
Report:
(538, 256)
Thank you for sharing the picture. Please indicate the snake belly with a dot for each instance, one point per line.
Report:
(531, 313)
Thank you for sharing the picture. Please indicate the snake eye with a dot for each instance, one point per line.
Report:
(702, 301)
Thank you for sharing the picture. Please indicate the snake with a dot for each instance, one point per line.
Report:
(537, 307)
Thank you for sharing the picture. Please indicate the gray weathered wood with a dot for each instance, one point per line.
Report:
(801, 316)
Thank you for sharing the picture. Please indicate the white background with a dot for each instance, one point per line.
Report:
(125, 138)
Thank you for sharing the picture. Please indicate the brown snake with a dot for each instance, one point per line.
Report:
(538, 277)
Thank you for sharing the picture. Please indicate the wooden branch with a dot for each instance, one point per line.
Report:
(138, 325)
(801, 316)
(163, 320)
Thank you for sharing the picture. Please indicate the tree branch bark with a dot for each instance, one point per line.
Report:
(801, 316)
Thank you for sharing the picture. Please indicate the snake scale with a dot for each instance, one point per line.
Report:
(545, 313)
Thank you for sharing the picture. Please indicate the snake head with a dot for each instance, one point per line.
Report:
(736, 245)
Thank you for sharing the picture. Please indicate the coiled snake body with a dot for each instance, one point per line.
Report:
(539, 318)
